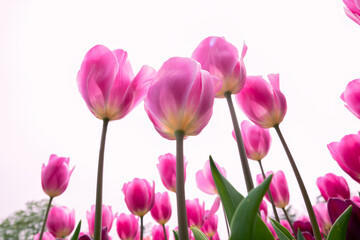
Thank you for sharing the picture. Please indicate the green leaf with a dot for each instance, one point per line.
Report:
(199, 235)
(338, 230)
(281, 231)
(77, 232)
(176, 235)
(243, 222)
(299, 235)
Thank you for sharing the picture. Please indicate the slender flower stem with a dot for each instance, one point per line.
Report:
(164, 231)
(45, 218)
(99, 185)
(304, 193)
(270, 195)
(227, 223)
(288, 219)
(141, 227)
(240, 143)
(180, 189)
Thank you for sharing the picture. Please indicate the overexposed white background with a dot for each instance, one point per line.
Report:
(312, 44)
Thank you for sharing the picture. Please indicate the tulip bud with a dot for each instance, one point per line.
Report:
(322, 217)
(210, 225)
(127, 226)
(61, 221)
(195, 213)
(204, 178)
(46, 236)
(352, 10)
(167, 170)
(106, 219)
(157, 232)
(161, 211)
(331, 185)
(351, 95)
(263, 210)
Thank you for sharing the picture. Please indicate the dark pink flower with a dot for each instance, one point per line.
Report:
(322, 217)
(195, 213)
(46, 236)
(127, 226)
(61, 221)
(157, 232)
(204, 179)
(161, 211)
(106, 220)
(331, 185)
(351, 96)
(352, 10)
(210, 225)
(167, 170)
(263, 210)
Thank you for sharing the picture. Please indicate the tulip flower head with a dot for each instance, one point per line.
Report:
(262, 102)
(180, 98)
(303, 224)
(352, 10)
(55, 176)
(347, 154)
(167, 170)
(139, 196)
(106, 220)
(263, 210)
(204, 178)
(46, 236)
(322, 216)
(157, 232)
(61, 221)
(351, 95)
(210, 225)
(221, 59)
(107, 83)
(161, 211)
(331, 185)
(127, 226)
(195, 212)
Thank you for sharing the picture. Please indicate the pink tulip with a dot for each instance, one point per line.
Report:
(351, 95)
(263, 103)
(61, 221)
(127, 226)
(157, 232)
(331, 185)
(161, 211)
(221, 59)
(256, 139)
(278, 188)
(195, 213)
(55, 176)
(106, 220)
(181, 98)
(303, 224)
(347, 154)
(210, 225)
(167, 170)
(204, 179)
(356, 200)
(322, 216)
(107, 83)
(263, 210)
(46, 236)
(139, 196)
(352, 10)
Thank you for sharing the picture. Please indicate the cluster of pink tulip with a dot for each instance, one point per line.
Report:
(179, 100)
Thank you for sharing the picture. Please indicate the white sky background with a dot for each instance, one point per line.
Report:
(312, 44)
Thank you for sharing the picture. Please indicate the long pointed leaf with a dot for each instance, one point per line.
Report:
(281, 231)
(176, 235)
(77, 232)
(299, 235)
(199, 235)
(338, 230)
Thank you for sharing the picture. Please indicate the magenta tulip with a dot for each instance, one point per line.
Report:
(195, 213)
(107, 83)
(127, 226)
(157, 232)
(323, 218)
(46, 236)
(167, 170)
(204, 178)
(303, 224)
(139, 196)
(61, 221)
(262, 102)
(356, 200)
(263, 210)
(210, 225)
(161, 211)
(106, 220)
(347, 154)
(221, 59)
(331, 185)
(55, 176)
(181, 98)
(278, 188)
(352, 10)
(351, 95)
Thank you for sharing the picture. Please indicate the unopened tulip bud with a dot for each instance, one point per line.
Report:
(61, 221)
(161, 211)
(167, 170)
(204, 178)
(106, 220)
(127, 226)
(195, 213)
(331, 185)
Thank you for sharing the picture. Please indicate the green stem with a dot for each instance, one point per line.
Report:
(240, 143)
(270, 195)
(99, 185)
(304, 193)
(141, 227)
(45, 219)
(180, 189)
(164, 231)
(288, 219)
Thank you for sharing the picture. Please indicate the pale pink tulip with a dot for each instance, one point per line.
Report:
(204, 179)
(61, 221)
(55, 176)
(278, 188)
(347, 154)
(263, 210)
(352, 10)
(161, 211)
(322, 216)
(139, 196)
(195, 212)
(167, 170)
(106, 220)
(210, 225)
(157, 232)
(180, 98)
(356, 200)
(351, 96)
(127, 226)
(262, 102)
(221, 59)
(331, 185)
(107, 83)
(46, 236)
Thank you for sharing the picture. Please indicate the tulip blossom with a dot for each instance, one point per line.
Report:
(322, 216)
(351, 95)
(139, 196)
(157, 232)
(127, 226)
(209, 226)
(106, 220)
(356, 200)
(167, 170)
(108, 85)
(347, 154)
(303, 224)
(180, 98)
(331, 185)
(161, 211)
(204, 178)
(46, 236)
(195, 212)
(263, 210)
(221, 59)
(55, 176)
(352, 10)
(262, 102)
(278, 188)
(61, 221)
